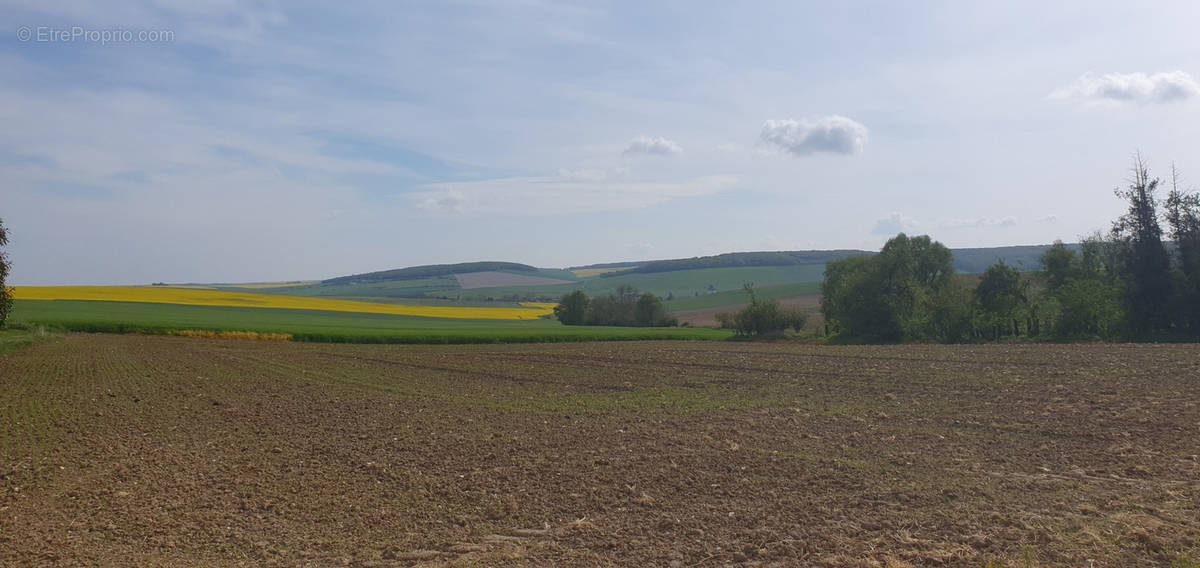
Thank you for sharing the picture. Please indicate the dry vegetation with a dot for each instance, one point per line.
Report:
(151, 450)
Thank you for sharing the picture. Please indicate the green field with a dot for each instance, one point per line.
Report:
(733, 297)
(321, 326)
(421, 288)
(679, 284)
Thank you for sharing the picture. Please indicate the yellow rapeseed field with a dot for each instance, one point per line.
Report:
(199, 297)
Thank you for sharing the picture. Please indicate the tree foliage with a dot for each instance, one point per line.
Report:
(1127, 283)
(1183, 217)
(893, 296)
(1002, 300)
(625, 307)
(1146, 264)
(762, 317)
(573, 308)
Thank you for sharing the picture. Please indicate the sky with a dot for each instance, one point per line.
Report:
(232, 141)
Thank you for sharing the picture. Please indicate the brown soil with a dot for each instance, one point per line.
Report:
(472, 280)
(707, 317)
(140, 451)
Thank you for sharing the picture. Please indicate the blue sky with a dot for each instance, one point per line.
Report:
(275, 141)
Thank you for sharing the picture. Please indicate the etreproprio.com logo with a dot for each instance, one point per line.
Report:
(81, 34)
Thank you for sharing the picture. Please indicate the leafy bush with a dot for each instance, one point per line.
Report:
(762, 318)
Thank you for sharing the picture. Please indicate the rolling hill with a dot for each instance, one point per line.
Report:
(685, 283)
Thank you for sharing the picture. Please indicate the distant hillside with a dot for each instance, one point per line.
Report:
(430, 271)
(967, 260)
(976, 260)
(684, 277)
(604, 265)
(742, 259)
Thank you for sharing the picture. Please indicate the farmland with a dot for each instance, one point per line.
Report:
(128, 450)
(322, 325)
(203, 297)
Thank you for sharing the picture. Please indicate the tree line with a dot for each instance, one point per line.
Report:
(625, 307)
(1135, 282)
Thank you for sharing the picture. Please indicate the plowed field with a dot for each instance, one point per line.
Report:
(148, 450)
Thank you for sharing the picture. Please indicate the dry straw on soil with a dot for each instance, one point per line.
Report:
(244, 335)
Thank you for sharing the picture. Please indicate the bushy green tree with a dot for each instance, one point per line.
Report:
(762, 317)
(6, 293)
(1088, 308)
(573, 308)
(951, 320)
(853, 302)
(649, 310)
(1060, 264)
(892, 296)
(1002, 299)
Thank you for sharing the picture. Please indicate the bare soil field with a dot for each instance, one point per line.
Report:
(472, 280)
(163, 451)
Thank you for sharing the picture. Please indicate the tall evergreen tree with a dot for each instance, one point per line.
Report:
(1146, 263)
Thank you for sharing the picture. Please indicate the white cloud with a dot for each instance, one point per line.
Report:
(1130, 87)
(553, 195)
(894, 223)
(448, 201)
(834, 134)
(980, 223)
(647, 146)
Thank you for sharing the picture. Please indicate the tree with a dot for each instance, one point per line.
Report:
(1146, 265)
(649, 310)
(1183, 216)
(625, 307)
(762, 317)
(1088, 308)
(1060, 263)
(573, 308)
(892, 296)
(6, 293)
(1002, 298)
(852, 301)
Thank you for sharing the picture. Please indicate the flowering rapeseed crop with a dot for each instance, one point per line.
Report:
(200, 297)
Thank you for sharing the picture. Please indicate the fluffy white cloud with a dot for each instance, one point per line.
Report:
(554, 195)
(647, 146)
(834, 134)
(980, 223)
(1130, 87)
(894, 223)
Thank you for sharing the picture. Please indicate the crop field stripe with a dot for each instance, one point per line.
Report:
(199, 297)
(322, 326)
